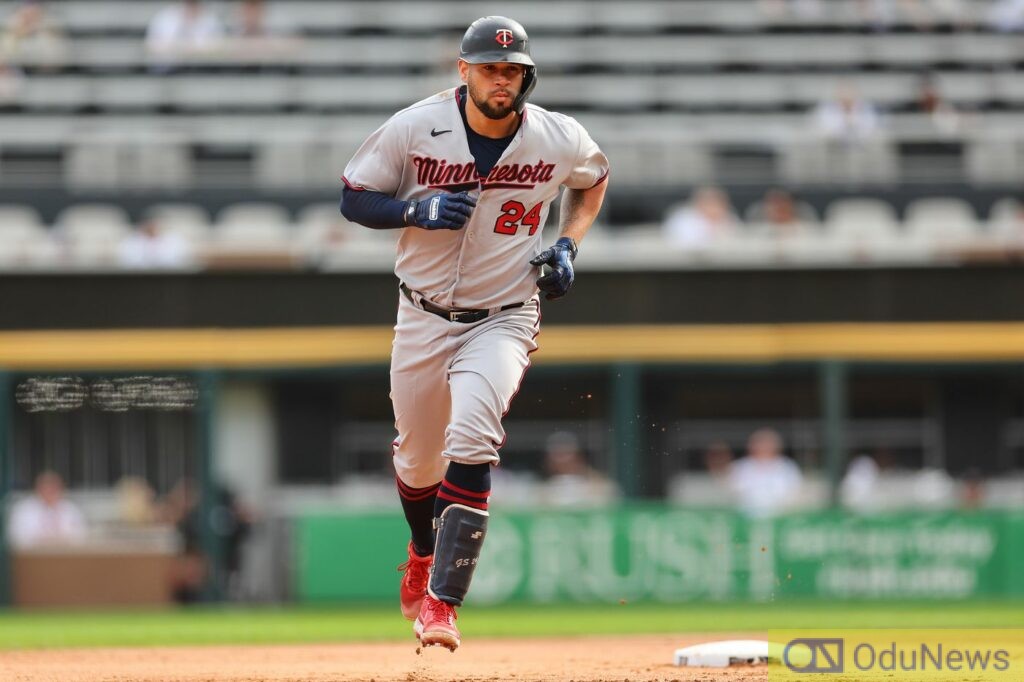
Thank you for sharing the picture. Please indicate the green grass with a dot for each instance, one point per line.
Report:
(296, 625)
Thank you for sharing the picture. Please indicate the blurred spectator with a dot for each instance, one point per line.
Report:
(802, 10)
(230, 523)
(706, 218)
(10, 84)
(46, 517)
(254, 20)
(859, 487)
(260, 34)
(149, 247)
(136, 501)
(846, 118)
(929, 101)
(31, 37)
(718, 459)
(765, 482)
(1007, 15)
(878, 14)
(181, 30)
(571, 481)
(780, 214)
(972, 492)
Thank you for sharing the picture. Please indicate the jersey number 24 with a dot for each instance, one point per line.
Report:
(515, 214)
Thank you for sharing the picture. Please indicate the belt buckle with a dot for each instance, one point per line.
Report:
(453, 315)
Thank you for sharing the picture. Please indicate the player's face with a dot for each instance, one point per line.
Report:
(493, 87)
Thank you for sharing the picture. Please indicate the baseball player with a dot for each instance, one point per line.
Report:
(468, 175)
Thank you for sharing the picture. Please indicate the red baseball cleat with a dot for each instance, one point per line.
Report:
(436, 624)
(414, 583)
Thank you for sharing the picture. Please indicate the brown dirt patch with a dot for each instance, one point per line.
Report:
(584, 659)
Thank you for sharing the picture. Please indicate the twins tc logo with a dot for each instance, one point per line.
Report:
(814, 655)
(504, 37)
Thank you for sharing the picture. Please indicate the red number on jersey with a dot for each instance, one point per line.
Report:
(515, 214)
(507, 222)
(533, 218)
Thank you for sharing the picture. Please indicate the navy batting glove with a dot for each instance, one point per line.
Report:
(559, 257)
(441, 211)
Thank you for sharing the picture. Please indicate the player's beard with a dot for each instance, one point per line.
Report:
(489, 110)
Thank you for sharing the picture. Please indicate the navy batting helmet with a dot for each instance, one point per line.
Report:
(499, 39)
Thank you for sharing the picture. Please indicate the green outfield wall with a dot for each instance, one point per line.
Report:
(667, 554)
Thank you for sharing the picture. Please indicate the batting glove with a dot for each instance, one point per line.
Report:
(441, 211)
(559, 257)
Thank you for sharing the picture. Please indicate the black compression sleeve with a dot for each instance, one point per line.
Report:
(373, 209)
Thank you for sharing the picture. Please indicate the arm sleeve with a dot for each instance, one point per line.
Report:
(372, 209)
(591, 166)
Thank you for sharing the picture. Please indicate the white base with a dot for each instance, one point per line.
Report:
(723, 654)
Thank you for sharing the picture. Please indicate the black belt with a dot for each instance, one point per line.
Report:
(464, 315)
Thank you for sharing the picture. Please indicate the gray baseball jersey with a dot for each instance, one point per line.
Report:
(451, 382)
(423, 149)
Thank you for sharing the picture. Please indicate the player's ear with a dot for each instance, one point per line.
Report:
(463, 70)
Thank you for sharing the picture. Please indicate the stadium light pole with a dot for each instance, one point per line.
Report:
(210, 535)
(5, 485)
(833, 385)
(626, 433)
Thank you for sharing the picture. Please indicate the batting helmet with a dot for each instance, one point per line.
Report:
(499, 39)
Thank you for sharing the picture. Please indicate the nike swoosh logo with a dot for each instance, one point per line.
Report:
(435, 133)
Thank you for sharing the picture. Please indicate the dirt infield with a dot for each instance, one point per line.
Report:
(584, 659)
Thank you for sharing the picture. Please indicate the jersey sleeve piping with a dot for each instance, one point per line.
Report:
(354, 188)
(600, 180)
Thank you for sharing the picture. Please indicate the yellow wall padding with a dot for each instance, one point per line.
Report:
(328, 346)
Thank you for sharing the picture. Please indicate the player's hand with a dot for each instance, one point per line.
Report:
(559, 257)
(443, 211)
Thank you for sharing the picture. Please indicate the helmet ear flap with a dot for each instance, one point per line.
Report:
(529, 83)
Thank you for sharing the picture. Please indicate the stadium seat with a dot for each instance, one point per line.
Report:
(92, 232)
(188, 220)
(1006, 220)
(24, 240)
(866, 229)
(941, 222)
(253, 227)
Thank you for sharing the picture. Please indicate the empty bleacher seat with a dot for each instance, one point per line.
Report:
(943, 222)
(93, 232)
(24, 240)
(189, 221)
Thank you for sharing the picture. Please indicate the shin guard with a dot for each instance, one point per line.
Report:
(460, 537)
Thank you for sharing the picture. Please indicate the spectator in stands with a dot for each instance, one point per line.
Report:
(801, 10)
(780, 214)
(765, 482)
(859, 488)
(943, 115)
(32, 37)
(150, 248)
(136, 501)
(1007, 16)
(181, 30)
(192, 570)
(10, 84)
(254, 20)
(878, 14)
(46, 517)
(718, 459)
(706, 217)
(972, 490)
(846, 118)
(571, 481)
(258, 33)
